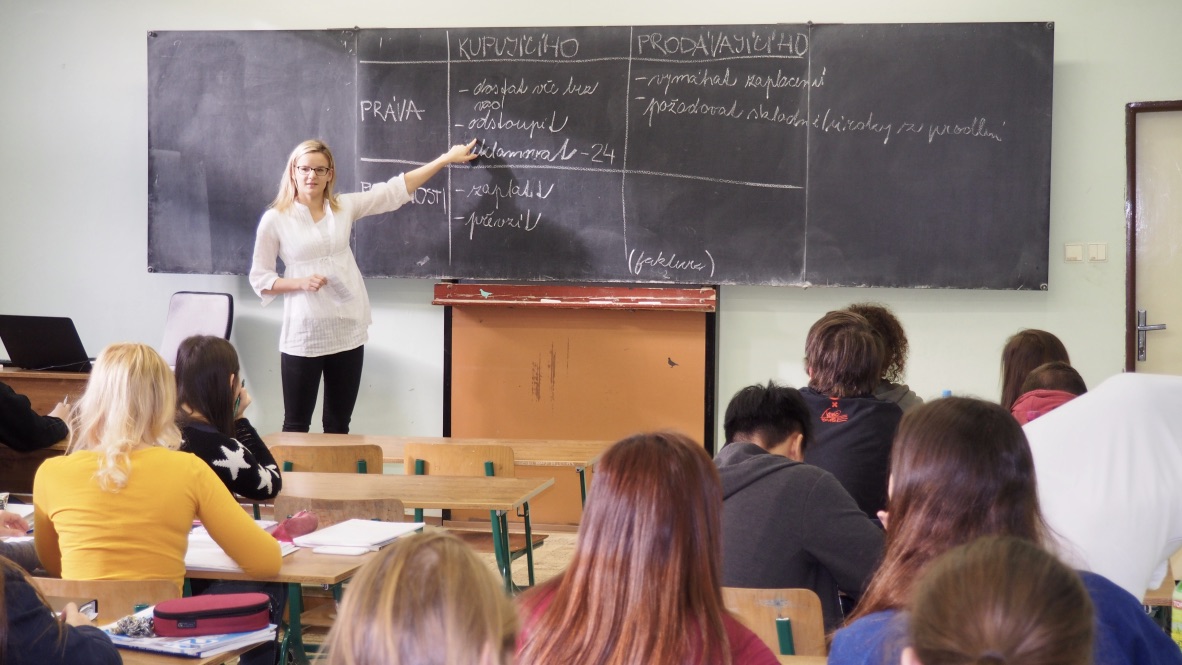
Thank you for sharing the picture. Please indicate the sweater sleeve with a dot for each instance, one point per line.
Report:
(44, 533)
(33, 631)
(840, 536)
(234, 460)
(266, 468)
(255, 550)
(23, 429)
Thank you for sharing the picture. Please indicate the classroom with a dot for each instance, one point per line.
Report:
(75, 235)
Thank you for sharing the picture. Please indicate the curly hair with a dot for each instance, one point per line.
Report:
(894, 340)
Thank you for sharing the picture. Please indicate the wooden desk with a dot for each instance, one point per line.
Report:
(500, 495)
(578, 454)
(802, 660)
(300, 567)
(134, 657)
(45, 389)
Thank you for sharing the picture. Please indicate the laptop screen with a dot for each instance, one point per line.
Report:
(43, 343)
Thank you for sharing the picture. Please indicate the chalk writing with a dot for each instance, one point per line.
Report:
(662, 264)
(540, 46)
(779, 80)
(495, 150)
(422, 196)
(512, 190)
(499, 121)
(720, 44)
(395, 110)
(703, 78)
(524, 221)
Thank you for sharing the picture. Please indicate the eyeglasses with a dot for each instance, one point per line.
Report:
(308, 170)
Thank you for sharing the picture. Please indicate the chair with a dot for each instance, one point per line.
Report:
(761, 609)
(195, 313)
(449, 459)
(116, 598)
(352, 458)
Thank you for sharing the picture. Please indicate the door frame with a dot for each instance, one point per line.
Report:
(1132, 111)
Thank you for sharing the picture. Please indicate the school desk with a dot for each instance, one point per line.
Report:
(45, 389)
(501, 495)
(300, 567)
(578, 454)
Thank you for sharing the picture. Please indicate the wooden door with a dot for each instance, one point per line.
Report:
(1154, 250)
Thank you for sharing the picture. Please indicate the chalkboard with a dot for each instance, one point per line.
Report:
(914, 155)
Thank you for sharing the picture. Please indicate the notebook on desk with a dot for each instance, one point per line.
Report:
(43, 343)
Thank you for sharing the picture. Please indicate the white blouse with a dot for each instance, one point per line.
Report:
(336, 318)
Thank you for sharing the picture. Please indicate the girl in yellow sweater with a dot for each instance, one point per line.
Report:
(121, 504)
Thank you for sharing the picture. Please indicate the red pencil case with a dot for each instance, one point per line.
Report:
(212, 614)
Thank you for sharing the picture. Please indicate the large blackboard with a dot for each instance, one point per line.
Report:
(912, 155)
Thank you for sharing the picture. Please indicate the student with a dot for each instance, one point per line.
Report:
(961, 469)
(22, 429)
(894, 360)
(786, 524)
(1045, 389)
(852, 428)
(211, 398)
(999, 600)
(31, 634)
(425, 600)
(1110, 477)
(643, 585)
(326, 312)
(121, 504)
(1025, 350)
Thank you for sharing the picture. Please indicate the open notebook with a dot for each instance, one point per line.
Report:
(193, 647)
(205, 554)
(355, 533)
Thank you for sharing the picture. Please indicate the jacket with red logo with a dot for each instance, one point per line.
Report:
(852, 440)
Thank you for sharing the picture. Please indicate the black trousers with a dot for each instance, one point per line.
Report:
(301, 383)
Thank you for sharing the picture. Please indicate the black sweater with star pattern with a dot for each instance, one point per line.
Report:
(243, 463)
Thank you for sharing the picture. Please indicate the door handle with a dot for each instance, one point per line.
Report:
(1143, 327)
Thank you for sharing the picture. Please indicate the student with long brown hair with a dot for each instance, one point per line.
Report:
(30, 634)
(425, 600)
(644, 583)
(999, 600)
(1025, 350)
(961, 469)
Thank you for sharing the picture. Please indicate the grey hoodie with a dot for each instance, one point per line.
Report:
(786, 524)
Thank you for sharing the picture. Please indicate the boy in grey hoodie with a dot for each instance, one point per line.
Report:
(786, 524)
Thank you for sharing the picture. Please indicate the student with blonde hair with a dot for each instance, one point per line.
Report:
(121, 504)
(644, 583)
(999, 600)
(425, 600)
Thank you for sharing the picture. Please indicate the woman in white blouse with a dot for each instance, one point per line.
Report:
(326, 312)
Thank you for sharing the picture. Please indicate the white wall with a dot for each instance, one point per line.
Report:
(73, 132)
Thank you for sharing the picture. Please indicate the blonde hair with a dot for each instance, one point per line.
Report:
(425, 600)
(287, 184)
(130, 401)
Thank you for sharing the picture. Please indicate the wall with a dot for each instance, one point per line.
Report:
(73, 234)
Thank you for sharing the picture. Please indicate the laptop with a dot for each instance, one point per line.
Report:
(43, 343)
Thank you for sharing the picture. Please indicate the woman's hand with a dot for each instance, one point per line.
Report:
(460, 153)
(312, 283)
(72, 616)
(241, 400)
(12, 524)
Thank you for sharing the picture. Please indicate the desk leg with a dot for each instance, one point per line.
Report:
(500, 536)
(582, 471)
(294, 638)
(529, 543)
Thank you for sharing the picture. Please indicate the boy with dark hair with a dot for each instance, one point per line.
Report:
(1046, 388)
(786, 524)
(853, 428)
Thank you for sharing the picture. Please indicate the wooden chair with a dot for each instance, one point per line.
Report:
(355, 458)
(759, 610)
(451, 459)
(116, 598)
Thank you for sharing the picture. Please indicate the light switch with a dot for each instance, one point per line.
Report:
(1073, 251)
(1097, 251)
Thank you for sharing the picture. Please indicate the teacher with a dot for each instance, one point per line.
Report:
(326, 313)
